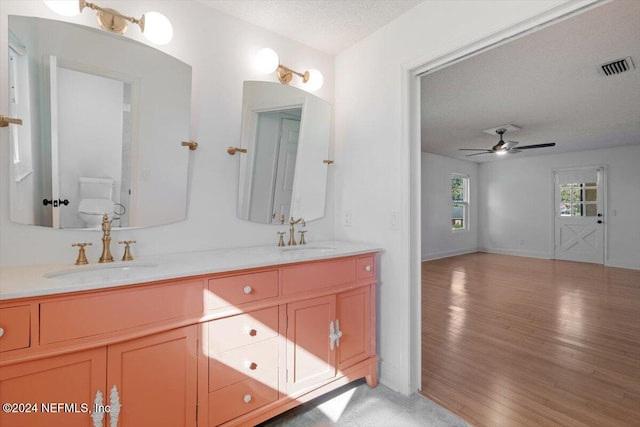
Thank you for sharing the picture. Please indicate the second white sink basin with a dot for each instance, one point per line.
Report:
(102, 271)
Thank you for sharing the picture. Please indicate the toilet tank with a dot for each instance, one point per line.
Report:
(96, 188)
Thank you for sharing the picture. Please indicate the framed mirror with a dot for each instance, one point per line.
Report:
(103, 121)
(286, 133)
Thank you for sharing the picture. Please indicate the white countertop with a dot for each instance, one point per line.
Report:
(29, 281)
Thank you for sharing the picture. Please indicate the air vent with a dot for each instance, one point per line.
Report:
(618, 66)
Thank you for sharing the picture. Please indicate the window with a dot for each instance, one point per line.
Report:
(459, 202)
(580, 199)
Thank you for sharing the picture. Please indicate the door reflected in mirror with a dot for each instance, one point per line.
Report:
(104, 118)
(286, 133)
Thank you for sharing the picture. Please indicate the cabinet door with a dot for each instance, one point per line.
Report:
(156, 379)
(310, 358)
(354, 317)
(62, 388)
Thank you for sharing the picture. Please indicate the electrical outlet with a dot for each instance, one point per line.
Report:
(145, 175)
(347, 218)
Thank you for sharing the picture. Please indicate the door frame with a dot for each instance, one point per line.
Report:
(411, 196)
(605, 210)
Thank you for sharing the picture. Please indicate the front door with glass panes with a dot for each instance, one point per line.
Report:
(579, 215)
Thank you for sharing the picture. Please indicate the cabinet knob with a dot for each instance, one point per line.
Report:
(247, 398)
(367, 268)
(247, 289)
(250, 365)
(1, 332)
(249, 330)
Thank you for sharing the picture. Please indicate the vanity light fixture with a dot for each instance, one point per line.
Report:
(154, 25)
(267, 61)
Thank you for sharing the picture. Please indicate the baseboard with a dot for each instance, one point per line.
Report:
(447, 254)
(517, 252)
(623, 264)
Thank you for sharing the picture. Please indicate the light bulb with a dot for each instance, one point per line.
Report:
(315, 80)
(157, 28)
(267, 60)
(64, 7)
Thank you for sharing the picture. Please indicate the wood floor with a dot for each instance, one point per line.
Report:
(513, 341)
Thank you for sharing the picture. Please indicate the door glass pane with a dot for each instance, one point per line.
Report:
(590, 195)
(591, 209)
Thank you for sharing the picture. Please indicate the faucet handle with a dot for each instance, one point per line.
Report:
(127, 251)
(281, 240)
(82, 257)
(302, 241)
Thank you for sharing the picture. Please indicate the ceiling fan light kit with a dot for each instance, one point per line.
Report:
(505, 147)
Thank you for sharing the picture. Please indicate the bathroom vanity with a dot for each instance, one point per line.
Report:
(229, 337)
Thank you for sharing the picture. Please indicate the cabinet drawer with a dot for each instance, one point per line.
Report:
(235, 400)
(315, 275)
(112, 311)
(243, 329)
(366, 267)
(15, 324)
(257, 361)
(241, 289)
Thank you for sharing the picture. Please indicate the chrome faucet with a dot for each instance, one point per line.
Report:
(292, 230)
(106, 240)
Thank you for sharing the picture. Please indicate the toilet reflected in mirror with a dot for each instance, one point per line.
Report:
(96, 199)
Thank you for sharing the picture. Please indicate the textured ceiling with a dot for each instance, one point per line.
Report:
(547, 83)
(326, 25)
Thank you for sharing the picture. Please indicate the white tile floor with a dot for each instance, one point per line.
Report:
(358, 405)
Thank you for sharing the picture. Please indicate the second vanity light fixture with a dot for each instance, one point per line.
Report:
(267, 61)
(154, 25)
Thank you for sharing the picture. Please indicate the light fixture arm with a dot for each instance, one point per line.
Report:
(106, 12)
(285, 74)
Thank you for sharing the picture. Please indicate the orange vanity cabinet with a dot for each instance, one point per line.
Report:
(229, 349)
(127, 382)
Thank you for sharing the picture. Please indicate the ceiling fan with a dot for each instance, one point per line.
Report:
(505, 147)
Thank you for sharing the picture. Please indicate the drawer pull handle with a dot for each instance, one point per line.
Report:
(367, 268)
(247, 289)
(1, 332)
(250, 365)
(249, 330)
(247, 398)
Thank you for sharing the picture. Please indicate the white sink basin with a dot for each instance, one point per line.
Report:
(307, 249)
(102, 271)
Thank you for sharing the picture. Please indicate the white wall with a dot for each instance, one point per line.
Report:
(438, 240)
(220, 49)
(516, 209)
(373, 176)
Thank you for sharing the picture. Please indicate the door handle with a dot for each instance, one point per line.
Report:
(599, 221)
(114, 407)
(599, 214)
(98, 410)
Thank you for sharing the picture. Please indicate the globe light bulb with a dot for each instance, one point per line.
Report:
(157, 28)
(64, 7)
(267, 60)
(315, 81)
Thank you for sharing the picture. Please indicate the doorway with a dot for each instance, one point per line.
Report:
(579, 226)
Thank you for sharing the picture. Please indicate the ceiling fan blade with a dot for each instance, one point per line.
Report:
(527, 147)
(473, 149)
(510, 144)
(513, 151)
(475, 154)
